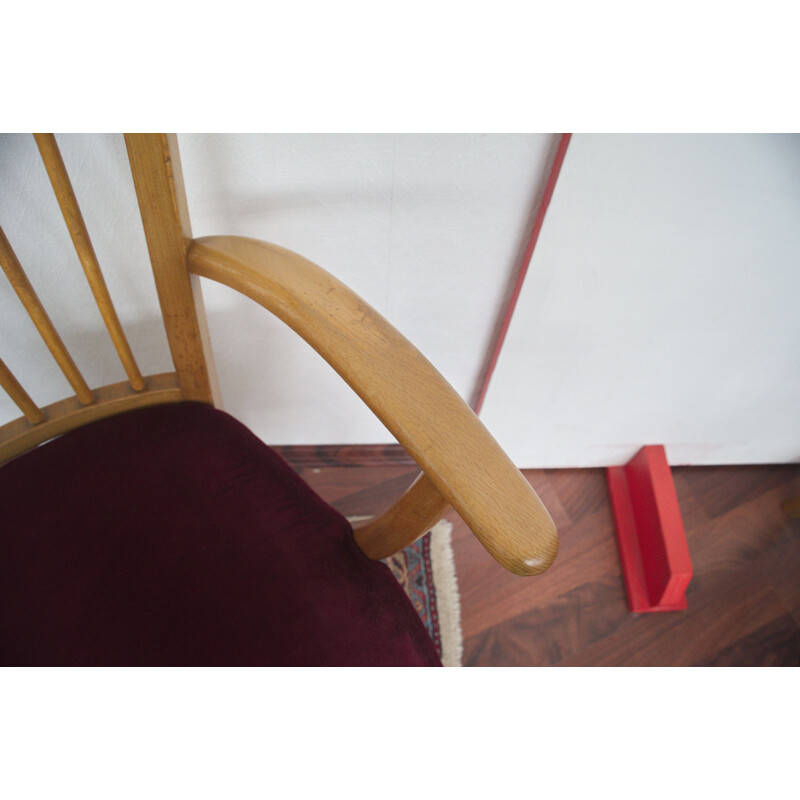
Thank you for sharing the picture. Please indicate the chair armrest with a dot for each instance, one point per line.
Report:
(426, 415)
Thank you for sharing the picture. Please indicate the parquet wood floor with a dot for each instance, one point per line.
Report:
(744, 599)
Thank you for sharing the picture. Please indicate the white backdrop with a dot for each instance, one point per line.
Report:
(426, 228)
(661, 305)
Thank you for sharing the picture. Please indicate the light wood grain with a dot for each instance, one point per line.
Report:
(15, 391)
(155, 164)
(413, 515)
(57, 172)
(25, 291)
(20, 435)
(402, 388)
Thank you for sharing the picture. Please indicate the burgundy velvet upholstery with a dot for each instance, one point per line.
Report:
(172, 536)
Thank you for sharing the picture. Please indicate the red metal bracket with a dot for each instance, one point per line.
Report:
(652, 542)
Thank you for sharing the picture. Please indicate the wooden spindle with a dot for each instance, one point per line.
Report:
(15, 391)
(54, 164)
(22, 286)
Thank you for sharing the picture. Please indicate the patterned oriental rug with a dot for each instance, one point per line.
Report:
(426, 571)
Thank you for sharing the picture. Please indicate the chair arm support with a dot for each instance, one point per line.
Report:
(419, 508)
(426, 415)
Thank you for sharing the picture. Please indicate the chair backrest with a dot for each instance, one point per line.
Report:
(155, 166)
(462, 464)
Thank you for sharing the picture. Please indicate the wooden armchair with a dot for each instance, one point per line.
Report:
(155, 529)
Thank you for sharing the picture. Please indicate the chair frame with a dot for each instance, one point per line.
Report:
(462, 465)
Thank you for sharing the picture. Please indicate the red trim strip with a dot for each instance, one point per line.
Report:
(511, 303)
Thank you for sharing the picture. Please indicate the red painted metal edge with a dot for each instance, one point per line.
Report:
(510, 304)
(650, 534)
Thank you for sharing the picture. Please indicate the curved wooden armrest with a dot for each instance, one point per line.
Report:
(458, 455)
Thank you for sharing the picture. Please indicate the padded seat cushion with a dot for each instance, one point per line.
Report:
(173, 536)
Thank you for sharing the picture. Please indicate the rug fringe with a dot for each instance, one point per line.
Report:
(448, 603)
(447, 598)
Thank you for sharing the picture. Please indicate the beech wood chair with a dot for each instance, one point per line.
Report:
(142, 525)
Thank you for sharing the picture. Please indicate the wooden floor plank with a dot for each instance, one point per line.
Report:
(721, 489)
(587, 552)
(360, 490)
(776, 644)
(744, 600)
(715, 621)
(549, 633)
